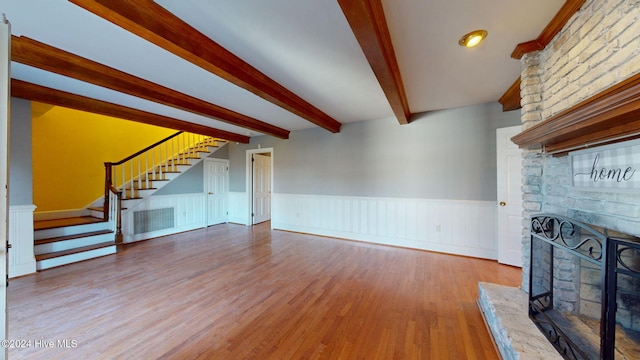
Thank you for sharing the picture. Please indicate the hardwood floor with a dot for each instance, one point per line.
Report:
(236, 292)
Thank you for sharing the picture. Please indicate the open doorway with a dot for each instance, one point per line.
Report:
(259, 184)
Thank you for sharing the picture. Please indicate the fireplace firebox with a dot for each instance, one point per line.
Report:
(584, 288)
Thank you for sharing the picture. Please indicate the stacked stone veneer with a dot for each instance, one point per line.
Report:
(597, 48)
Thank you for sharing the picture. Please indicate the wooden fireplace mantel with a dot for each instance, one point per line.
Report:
(610, 116)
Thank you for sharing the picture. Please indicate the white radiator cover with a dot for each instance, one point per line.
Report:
(153, 220)
(188, 214)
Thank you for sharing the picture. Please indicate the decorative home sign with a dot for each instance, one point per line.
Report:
(614, 166)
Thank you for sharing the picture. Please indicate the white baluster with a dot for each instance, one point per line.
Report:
(114, 176)
(146, 169)
(122, 184)
(173, 161)
(139, 172)
(153, 163)
(181, 149)
(131, 176)
(165, 157)
(192, 145)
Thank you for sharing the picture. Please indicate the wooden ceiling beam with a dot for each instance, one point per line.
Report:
(367, 21)
(155, 24)
(34, 53)
(29, 91)
(570, 7)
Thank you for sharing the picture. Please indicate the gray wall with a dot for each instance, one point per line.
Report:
(20, 173)
(192, 181)
(445, 154)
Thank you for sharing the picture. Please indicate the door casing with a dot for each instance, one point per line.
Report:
(5, 93)
(249, 180)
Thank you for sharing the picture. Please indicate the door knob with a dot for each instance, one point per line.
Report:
(502, 203)
(210, 193)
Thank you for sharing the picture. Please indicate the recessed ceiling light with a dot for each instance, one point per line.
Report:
(473, 38)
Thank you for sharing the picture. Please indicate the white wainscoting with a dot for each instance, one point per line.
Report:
(21, 257)
(450, 226)
(189, 214)
(239, 208)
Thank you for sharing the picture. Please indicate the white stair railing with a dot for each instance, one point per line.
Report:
(137, 172)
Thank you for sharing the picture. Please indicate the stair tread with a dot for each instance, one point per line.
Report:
(58, 223)
(72, 237)
(74, 251)
(100, 209)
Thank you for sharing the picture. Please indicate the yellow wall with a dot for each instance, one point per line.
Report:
(70, 148)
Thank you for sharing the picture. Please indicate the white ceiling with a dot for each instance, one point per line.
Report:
(305, 45)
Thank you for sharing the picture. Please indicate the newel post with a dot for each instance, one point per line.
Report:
(119, 237)
(107, 189)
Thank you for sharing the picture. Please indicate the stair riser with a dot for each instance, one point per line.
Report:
(180, 166)
(70, 230)
(167, 176)
(139, 193)
(97, 214)
(69, 259)
(72, 244)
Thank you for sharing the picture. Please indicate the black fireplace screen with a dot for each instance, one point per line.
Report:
(584, 288)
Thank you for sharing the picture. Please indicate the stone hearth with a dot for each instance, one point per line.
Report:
(504, 309)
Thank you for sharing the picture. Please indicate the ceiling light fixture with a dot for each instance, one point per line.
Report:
(473, 38)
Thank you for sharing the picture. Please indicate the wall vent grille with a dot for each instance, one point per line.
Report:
(153, 220)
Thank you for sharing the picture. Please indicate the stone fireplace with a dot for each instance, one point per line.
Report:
(596, 50)
(581, 90)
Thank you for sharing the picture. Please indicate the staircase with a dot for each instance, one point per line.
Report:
(65, 241)
(127, 182)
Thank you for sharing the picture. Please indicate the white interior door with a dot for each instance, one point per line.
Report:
(216, 187)
(509, 164)
(5, 46)
(261, 188)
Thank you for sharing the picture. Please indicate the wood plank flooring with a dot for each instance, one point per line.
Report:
(236, 292)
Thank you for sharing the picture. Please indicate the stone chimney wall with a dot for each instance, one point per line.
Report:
(598, 47)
